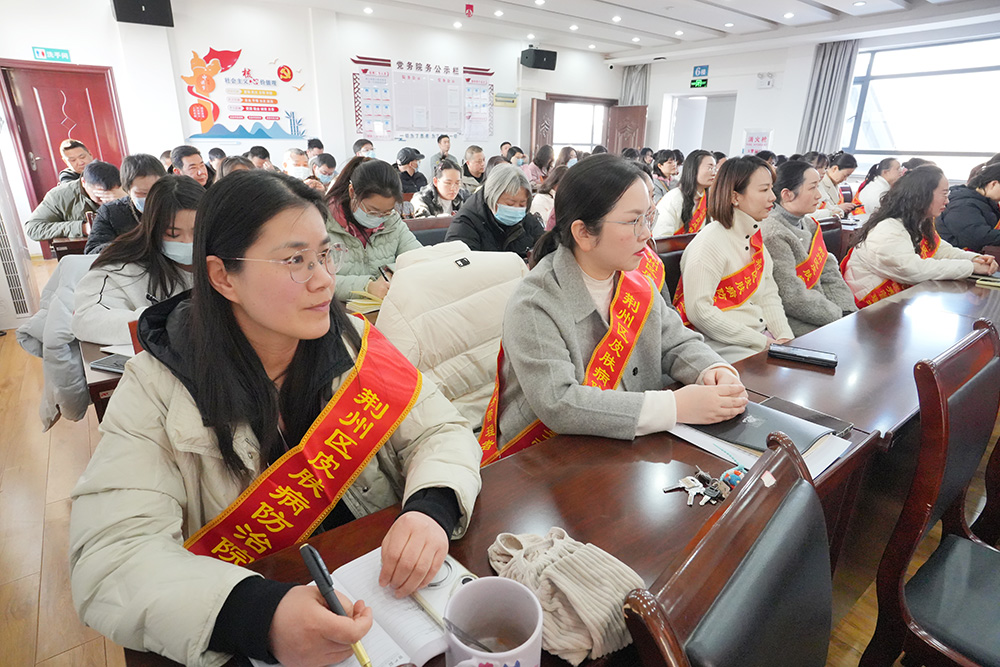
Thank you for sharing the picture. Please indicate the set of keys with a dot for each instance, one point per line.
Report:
(712, 489)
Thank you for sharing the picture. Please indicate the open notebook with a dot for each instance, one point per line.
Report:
(402, 631)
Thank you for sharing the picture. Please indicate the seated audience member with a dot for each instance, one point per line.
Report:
(684, 210)
(138, 174)
(813, 292)
(630, 154)
(261, 158)
(664, 169)
(538, 168)
(582, 154)
(315, 184)
(567, 157)
(970, 219)
(64, 207)
(363, 148)
(366, 223)
(915, 162)
(557, 321)
(296, 164)
(599, 149)
(543, 203)
(646, 155)
(231, 379)
(215, 158)
(899, 247)
(408, 163)
(842, 165)
(76, 156)
(504, 147)
(720, 158)
(768, 156)
(474, 169)
(493, 162)
(187, 162)
(324, 167)
(979, 167)
(819, 161)
(167, 162)
(234, 163)
(879, 179)
(780, 159)
(515, 156)
(729, 293)
(444, 196)
(144, 266)
(444, 153)
(314, 147)
(496, 218)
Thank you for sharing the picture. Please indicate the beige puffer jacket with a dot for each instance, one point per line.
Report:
(157, 477)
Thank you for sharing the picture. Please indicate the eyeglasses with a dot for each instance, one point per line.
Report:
(303, 263)
(374, 214)
(643, 222)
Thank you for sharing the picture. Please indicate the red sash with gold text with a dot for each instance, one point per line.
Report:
(286, 503)
(734, 289)
(859, 208)
(889, 287)
(812, 266)
(697, 217)
(633, 301)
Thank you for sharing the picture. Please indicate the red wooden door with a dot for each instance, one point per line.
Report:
(543, 114)
(626, 128)
(51, 103)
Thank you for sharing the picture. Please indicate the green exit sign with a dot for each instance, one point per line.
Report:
(699, 83)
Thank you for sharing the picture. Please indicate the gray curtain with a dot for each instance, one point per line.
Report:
(635, 85)
(829, 89)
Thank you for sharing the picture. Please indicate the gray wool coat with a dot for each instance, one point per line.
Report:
(550, 330)
(787, 238)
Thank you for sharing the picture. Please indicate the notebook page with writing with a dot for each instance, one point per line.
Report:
(411, 627)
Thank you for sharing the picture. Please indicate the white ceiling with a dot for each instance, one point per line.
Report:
(647, 29)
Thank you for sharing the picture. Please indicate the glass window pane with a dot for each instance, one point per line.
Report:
(861, 65)
(598, 136)
(852, 112)
(573, 124)
(983, 53)
(945, 112)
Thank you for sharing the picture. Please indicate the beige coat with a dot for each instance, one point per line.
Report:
(157, 477)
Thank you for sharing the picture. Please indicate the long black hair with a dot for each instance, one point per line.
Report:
(908, 200)
(689, 184)
(588, 192)
(876, 170)
(543, 157)
(143, 245)
(231, 386)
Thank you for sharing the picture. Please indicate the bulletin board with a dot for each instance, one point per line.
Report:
(415, 100)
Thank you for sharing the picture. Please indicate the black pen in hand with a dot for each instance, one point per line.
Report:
(317, 568)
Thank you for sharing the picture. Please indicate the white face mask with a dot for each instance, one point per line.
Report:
(299, 172)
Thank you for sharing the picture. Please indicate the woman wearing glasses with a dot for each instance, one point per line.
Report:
(588, 342)
(147, 264)
(727, 291)
(365, 221)
(258, 414)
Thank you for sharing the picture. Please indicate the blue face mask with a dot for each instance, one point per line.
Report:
(571, 162)
(140, 203)
(369, 153)
(182, 253)
(324, 178)
(369, 221)
(520, 162)
(510, 215)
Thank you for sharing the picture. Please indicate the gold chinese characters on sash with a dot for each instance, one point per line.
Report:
(633, 301)
(290, 499)
(812, 266)
(735, 289)
(698, 217)
(888, 287)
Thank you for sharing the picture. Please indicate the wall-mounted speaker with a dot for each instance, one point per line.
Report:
(538, 59)
(147, 12)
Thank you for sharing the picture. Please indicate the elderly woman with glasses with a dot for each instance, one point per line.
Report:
(364, 203)
(496, 217)
(589, 344)
(258, 414)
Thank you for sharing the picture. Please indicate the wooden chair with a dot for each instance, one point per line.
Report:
(833, 236)
(753, 588)
(948, 613)
(670, 250)
(987, 525)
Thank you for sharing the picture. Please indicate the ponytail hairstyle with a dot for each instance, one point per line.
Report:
(231, 386)
(915, 162)
(817, 160)
(877, 170)
(987, 174)
(689, 184)
(979, 167)
(734, 176)
(842, 161)
(791, 175)
(588, 192)
(908, 200)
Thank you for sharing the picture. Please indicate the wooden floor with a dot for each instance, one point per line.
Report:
(38, 625)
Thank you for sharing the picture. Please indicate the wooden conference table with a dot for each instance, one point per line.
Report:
(609, 492)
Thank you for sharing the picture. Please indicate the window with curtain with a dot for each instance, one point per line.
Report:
(578, 125)
(937, 102)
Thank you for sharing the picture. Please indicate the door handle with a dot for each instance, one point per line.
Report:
(32, 160)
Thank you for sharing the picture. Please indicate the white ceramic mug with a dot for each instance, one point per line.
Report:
(494, 608)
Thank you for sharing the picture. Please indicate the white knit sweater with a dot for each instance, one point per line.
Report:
(871, 196)
(888, 252)
(669, 220)
(713, 254)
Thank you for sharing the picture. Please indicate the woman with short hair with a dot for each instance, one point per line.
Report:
(664, 169)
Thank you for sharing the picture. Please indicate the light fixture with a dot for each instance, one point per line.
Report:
(616, 19)
(498, 13)
(859, 3)
(635, 39)
(789, 15)
(729, 25)
(678, 32)
(368, 10)
(574, 27)
(531, 35)
(592, 46)
(539, 2)
(457, 24)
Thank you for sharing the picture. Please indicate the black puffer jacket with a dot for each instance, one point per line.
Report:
(969, 220)
(113, 219)
(476, 226)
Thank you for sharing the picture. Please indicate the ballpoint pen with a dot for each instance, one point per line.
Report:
(317, 568)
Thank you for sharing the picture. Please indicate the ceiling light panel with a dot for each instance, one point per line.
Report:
(853, 8)
(775, 10)
(588, 14)
(710, 16)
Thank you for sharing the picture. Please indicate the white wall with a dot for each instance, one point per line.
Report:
(688, 124)
(719, 116)
(779, 108)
